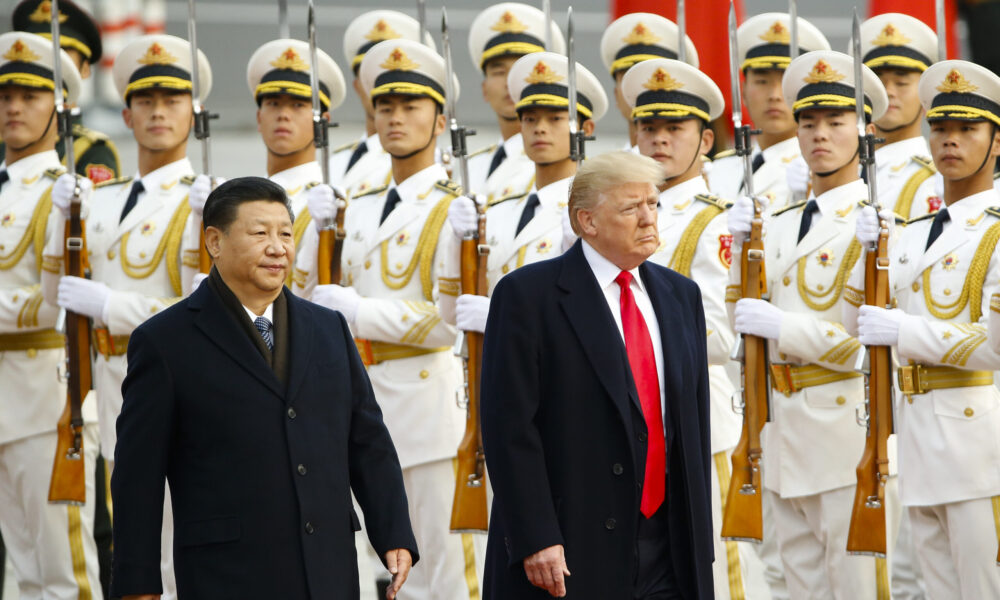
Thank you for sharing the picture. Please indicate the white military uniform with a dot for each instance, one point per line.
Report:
(949, 457)
(725, 179)
(340, 156)
(50, 546)
(695, 242)
(373, 171)
(513, 177)
(296, 182)
(907, 179)
(813, 442)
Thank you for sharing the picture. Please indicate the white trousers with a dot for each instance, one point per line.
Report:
(956, 546)
(50, 547)
(907, 579)
(451, 564)
(812, 540)
(767, 550)
(737, 572)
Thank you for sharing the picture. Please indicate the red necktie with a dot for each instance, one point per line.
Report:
(639, 347)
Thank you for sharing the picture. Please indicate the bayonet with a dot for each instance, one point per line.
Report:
(741, 132)
(866, 141)
(284, 30)
(547, 9)
(577, 138)
(459, 150)
(793, 27)
(682, 51)
(942, 29)
(201, 114)
(422, 18)
(321, 123)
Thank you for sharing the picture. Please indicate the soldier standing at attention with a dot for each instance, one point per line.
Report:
(135, 225)
(51, 546)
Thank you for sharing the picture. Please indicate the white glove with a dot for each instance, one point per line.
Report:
(197, 279)
(568, 236)
(758, 317)
(200, 190)
(62, 194)
(879, 326)
(797, 177)
(471, 312)
(738, 219)
(83, 296)
(339, 298)
(867, 227)
(463, 216)
(322, 203)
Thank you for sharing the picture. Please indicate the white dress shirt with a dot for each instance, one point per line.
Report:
(605, 272)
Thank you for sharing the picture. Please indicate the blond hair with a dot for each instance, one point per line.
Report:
(605, 172)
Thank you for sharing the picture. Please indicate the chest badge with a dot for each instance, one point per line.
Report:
(825, 257)
(934, 203)
(7, 220)
(148, 228)
(726, 249)
(543, 246)
(402, 238)
(949, 262)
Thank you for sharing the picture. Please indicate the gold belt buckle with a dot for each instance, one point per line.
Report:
(781, 379)
(910, 380)
(105, 345)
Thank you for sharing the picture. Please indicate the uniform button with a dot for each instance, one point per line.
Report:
(111, 254)
(301, 469)
(32, 353)
(610, 524)
(368, 264)
(841, 400)
(309, 528)
(617, 469)
(424, 374)
(642, 436)
(787, 280)
(915, 287)
(291, 413)
(505, 269)
(909, 399)
(969, 412)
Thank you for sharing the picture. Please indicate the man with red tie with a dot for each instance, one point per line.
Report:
(595, 409)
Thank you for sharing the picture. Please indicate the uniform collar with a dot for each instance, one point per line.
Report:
(970, 207)
(419, 182)
(166, 175)
(780, 150)
(30, 166)
(683, 191)
(855, 191)
(891, 153)
(555, 193)
(604, 270)
(373, 143)
(298, 175)
(513, 146)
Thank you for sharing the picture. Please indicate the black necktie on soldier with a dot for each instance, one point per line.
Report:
(807, 218)
(360, 151)
(391, 200)
(4, 178)
(528, 212)
(133, 198)
(498, 157)
(937, 226)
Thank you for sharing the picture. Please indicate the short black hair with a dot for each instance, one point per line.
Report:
(224, 201)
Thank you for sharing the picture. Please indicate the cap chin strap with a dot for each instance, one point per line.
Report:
(841, 167)
(903, 126)
(39, 138)
(418, 150)
(291, 152)
(690, 164)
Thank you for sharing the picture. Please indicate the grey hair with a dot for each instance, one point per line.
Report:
(606, 172)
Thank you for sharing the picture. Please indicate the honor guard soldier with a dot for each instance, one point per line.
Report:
(50, 546)
(944, 271)
(96, 155)
(673, 104)
(763, 42)
(363, 166)
(398, 246)
(528, 228)
(898, 48)
(135, 226)
(812, 445)
(499, 36)
(633, 38)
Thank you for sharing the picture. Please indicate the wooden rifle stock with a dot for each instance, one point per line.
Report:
(204, 260)
(68, 482)
(331, 248)
(468, 511)
(867, 531)
(742, 515)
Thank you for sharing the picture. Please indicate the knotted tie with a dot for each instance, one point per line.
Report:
(642, 361)
(807, 218)
(4, 178)
(498, 157)
(264, 327)
(391, 200)
(758, 162)
(937, 226)
(133, 198)
(527, 212)
(356, 155)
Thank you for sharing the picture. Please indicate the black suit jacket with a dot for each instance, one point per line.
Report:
(565, 438)
(260, 474)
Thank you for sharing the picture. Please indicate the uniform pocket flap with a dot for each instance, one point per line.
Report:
(968, 405)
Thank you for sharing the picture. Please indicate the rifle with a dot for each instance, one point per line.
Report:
(577, 138)
(201, 127)
(942, 31)
(468, 511)
(284, 30)
(742, 513)
(331, 232)
(867, 531)
(68, 484)
(682, 49)
(547, 11)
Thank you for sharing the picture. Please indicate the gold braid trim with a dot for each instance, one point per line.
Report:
(170, 243)
(302, 221)
(684, 253)
(424, 254)
(972, 289)
(904, 204)
(521, 253)
(959, 354)
(814, 299)
(34, 234)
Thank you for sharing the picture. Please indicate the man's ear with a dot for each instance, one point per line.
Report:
(707, 140)
(440, 123)
(127, 117)
(585, 222)
(213, 241)
(588, 127)
(870, 128)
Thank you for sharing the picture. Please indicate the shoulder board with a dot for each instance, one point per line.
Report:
(487, 150)
(84, 132)
(515, 196)
(927, 216)
(188, 179)
(714, 201)
(925, 162)
(898, 218)
(348, 146)
(993, 210)
(370, 191)
(115, 181)
(788, 208)
(312, 184)
(55, 172)
(724, 154)
(449, 186)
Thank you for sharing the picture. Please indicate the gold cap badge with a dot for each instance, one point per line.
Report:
(822, 72)
(290, 60)
(890, 36)
(641, 34)
(776, 34)
(43, 13)
(542, 73)
(956, 83)
(508, 23)
(20, 52)
(157, 55)
(662, 81)
(381, 31)
(398, 61)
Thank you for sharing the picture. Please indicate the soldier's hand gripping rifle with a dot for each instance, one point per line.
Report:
(468, 510)
(742, 517)
(331, 232)
(68, 484)
(202, 131)
(577, 138)
(867, 531)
